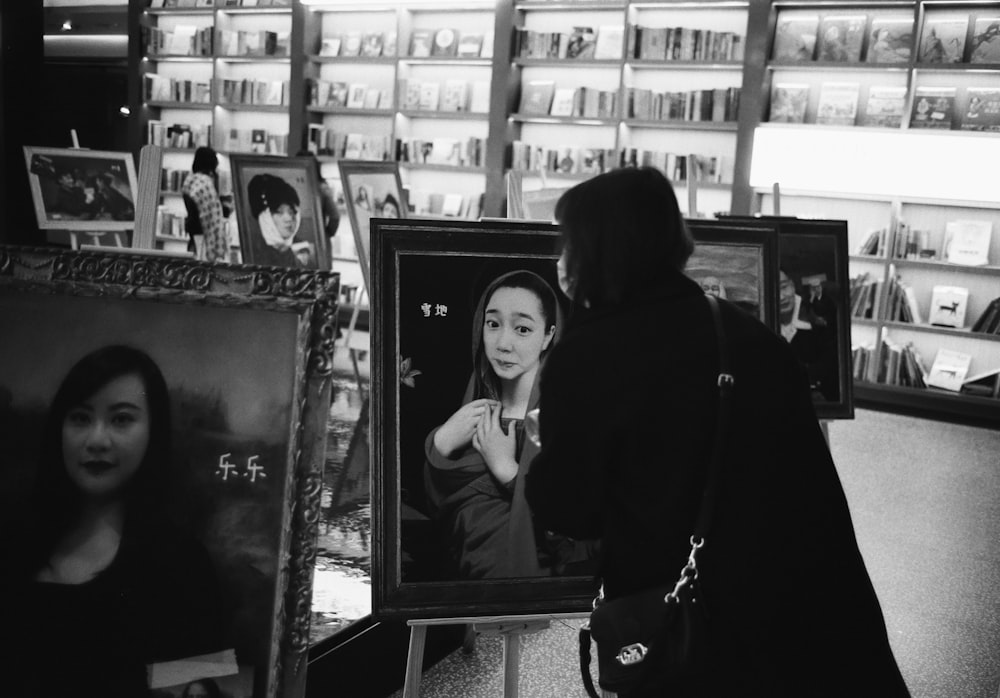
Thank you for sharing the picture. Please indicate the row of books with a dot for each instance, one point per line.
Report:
(863, 295)
(850, 37)
(182, 40)
(680, 168)
(254, 43)
(450, 43)
(456, 152)
(326, 93)
(719, 104)
(170, 224)
(965, 242)
(172, 179)
(900, 364)
(988, 321)
(160, 88)
(452, 95)
(350, 146)
(356, 43)
(255, 92)
(255, 140)
(178, 135)
(580, 43)
(542, 97)
(683, 44)
(565, 159)
(219, 3)
(424, 202)
(933, 107)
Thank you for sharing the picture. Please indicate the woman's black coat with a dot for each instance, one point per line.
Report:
(628, 409)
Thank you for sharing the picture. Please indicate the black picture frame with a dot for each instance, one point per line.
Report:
(808, 249)
(202, 324)
(421, 363)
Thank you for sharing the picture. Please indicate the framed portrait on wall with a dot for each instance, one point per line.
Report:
(78, 189)
(278, 212)
(206, 442)
(448, 542)
(814, 305)
(371, 190)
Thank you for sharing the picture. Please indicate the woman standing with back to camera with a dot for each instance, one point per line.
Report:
(627, 415)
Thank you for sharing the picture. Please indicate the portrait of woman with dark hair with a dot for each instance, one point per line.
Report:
(102, 583)
(476, 461)
(274, 204)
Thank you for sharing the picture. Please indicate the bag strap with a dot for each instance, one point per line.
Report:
(588, 680)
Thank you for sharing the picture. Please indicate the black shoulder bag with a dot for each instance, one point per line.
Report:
(659, 636)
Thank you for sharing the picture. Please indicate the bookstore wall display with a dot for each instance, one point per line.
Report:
(563, 89)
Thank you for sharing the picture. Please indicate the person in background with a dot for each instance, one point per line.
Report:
(204, 207)
(202, 688)
(98, 558)
(627, 415)
(327, 201)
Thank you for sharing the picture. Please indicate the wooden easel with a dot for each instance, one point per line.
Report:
(510, 628)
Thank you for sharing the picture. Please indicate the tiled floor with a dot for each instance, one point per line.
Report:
(925, 498)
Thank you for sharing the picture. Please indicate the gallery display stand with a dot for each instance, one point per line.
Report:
(510, 628)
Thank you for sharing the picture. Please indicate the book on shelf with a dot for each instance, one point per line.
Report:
(943, 40)
(985, 384)
(338, 94)
(788, 102)
(988, 321)
(885, 106)
(840, 38)
(389, 48)
(445, 42)
(479, 97)
(470, 45)
(430, 96)
(371, 44)
(838, 103)
(536, 97)
(652, 43)
(356, 95)
(582, 43)
(564, 102)
(933, 107)
(487, 50)
(351, 45)
(967, 242)
(949, 369)
(455, 96)
(420, 42)
(373, 96)
(795, 37)
(948, 306)
(410, 91)
(982, 109)
(985, 44)
(890, 40)
(330, 46)
(874, 243)
(609, 42)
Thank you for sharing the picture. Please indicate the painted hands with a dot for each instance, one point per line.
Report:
(496, 446)
(458, 431)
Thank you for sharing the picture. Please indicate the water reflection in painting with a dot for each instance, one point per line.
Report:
(342, 581)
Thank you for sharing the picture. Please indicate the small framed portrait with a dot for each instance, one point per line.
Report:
(814, 305)
(371, 190)
(77, 189)
(162, 470)
(451, 541)
(278, 212)
(737, 262)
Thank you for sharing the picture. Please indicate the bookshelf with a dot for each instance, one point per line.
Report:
(887, 156)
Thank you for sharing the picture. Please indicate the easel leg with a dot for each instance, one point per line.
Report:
(415, 661)
(511, 661)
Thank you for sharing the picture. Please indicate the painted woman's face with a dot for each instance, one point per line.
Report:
(104, 438)
(389, 210)
(514, 332)
(786, 303)
(285, 219)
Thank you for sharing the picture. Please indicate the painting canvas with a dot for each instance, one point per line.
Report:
(430, 279)
(78, 189)
(278, 211)
(218, 585)
(371, 190)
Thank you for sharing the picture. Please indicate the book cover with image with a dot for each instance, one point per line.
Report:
(985, 45)
(840, 38)
(536, 97)
(949, 369)
(933, 107)
(789, 102)
(943, 40)
(967, 242)
(795, 37)
(885, 106)
(948, 306)
(470, 45)
(582, 43)
(445, 43)
(890, 40)
(838, 103)
(982, 109)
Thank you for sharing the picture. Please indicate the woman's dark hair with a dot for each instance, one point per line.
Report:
(487, 383)
(270, 192)
(621, 229)
(210, 686)
(205, 161)
(57, 499)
